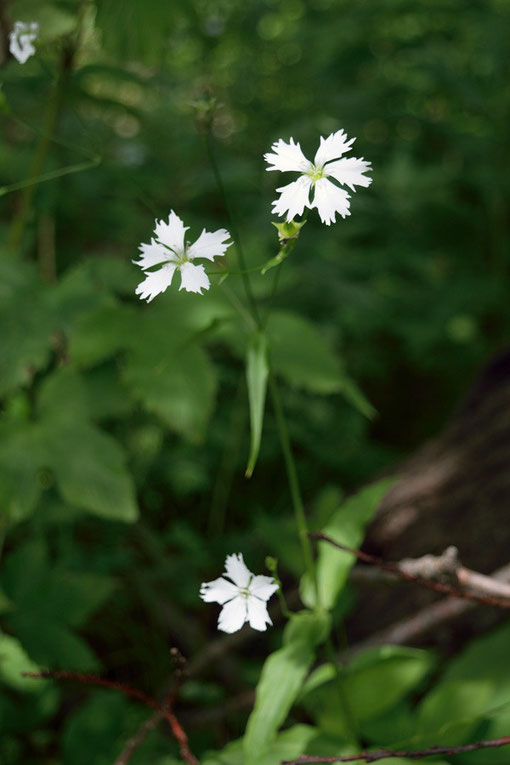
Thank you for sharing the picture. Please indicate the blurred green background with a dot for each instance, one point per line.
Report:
(124, 431)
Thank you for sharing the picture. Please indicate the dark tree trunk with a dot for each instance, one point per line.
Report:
(453, 491)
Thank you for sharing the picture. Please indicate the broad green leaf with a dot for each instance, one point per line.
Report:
(451, 712)
(107, 397)
(257, 370)
(347, 526)
(282, 677)
(90, 471)
(301, 354)
(21, 458)
(63, 396)
(475, 687)
(48, 601)
(101, 333)
(13, 662)
(372, 683)
(26, 334)
(54, 22)
(173, 378)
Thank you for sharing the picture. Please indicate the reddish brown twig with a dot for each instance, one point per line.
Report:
(381, 754)
(136, 741)
(163, 709)
(394, 568)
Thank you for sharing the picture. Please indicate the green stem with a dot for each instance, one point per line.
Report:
(290, 464)
(50, 121)
(292, 477)
(233, 228)
(283, 603)
(276, 280)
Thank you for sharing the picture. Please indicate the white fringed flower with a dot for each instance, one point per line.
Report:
(327, 197)
(21, 40)
(171, 253)
(243, 599)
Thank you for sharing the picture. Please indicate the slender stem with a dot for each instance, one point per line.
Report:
(283, 603)
(227, 466)
(233, 228)
(290, 464)
(50, 121)
(239, 307)
(276, 280)
(292, 477)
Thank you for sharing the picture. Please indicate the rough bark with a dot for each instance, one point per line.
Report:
(453, 491)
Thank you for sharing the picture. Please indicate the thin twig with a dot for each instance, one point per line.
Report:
(420, 754)
(162, 709)
(394, 568)
(136, 741)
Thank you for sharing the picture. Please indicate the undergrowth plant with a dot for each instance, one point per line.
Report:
(144, 445)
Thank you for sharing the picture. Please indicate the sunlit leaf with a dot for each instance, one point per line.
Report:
(257, 370)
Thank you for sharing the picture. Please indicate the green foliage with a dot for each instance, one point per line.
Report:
(304, 358)
(287, 745)
(281, 679)
(13, 662)
(257, 370)
(124, 426)
(396, 670)
(26, 334)
(48, 603)
(346, 526)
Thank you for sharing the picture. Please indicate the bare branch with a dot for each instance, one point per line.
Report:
(382, 754)
(162, 709)
(403, 572)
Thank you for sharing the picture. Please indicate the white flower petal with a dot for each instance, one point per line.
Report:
(21, 39)
(287, 156)
(349, 171)
(233, 615)
(329, 200)
(236, 569)
(257, 614)
(209, 245)
(332, 147)
(263, 587)
(153, 254)
(156, 282)
(293, 198)
(218, 591)
(193, 278)
(171, 233)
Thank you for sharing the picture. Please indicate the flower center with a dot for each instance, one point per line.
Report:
(244, 592)
(316, 172)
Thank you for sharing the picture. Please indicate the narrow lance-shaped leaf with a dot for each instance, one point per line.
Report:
(257, 370)
(281, 680)
(346, 526)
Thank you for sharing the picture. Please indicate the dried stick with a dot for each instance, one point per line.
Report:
(419, 754)
(162, 709)
(397, 570)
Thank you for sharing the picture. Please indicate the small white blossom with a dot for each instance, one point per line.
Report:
(171, 253)
(327, 197)
(243, 599)
(21, 40)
